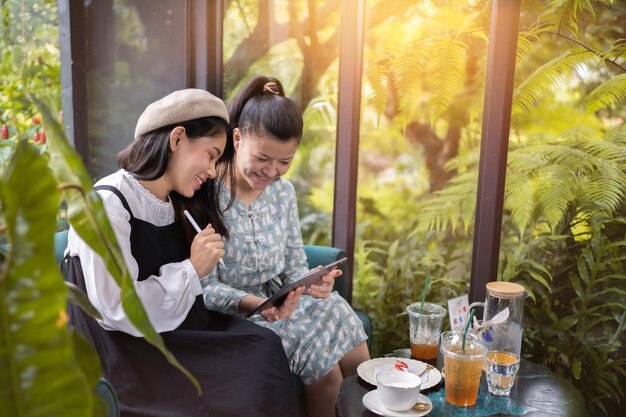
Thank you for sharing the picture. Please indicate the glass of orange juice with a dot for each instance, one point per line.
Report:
(462, 366)
(424, 330)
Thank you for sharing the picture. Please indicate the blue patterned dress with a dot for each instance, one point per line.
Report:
(264, 241)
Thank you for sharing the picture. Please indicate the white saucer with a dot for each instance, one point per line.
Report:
(371, 401)
(368, 370)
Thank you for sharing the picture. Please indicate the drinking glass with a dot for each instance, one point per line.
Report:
(462, 367)
(424, 330)
(501, 370)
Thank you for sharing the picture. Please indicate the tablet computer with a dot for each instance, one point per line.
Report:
(310, 278)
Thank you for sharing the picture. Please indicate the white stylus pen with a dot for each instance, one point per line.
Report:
(195, 226)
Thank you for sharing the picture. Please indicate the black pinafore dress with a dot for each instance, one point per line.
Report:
(241, 367)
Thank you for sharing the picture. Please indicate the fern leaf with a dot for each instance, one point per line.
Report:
(564, 14)
(409, 73)
(319, 114)
(378, 85)
(450, 68)
(603, 150)
(550, 76)
(526, 44)
(555, 193)
(524, 160)
(607, 95)
(456, 203)
(519, 199)
(606, 186)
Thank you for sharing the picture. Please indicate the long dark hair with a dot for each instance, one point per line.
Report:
(146, 158)
(261, 107)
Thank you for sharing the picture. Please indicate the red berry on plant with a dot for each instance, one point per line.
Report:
(5, 131)
(42, 136)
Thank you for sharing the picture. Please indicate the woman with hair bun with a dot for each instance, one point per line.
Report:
(322, 336)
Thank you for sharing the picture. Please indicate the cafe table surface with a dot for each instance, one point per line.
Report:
(537, 392)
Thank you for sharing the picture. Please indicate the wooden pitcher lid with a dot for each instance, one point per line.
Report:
(503, 289)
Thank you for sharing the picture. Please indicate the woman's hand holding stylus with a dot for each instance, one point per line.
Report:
(204, 244)
(207, 249)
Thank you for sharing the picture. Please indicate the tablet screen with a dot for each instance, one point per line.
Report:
(310, 278)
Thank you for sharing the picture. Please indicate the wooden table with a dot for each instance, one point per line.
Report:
(537, 392)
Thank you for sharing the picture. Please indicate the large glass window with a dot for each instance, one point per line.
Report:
(422, 97)
(296, 42)
(136, 53)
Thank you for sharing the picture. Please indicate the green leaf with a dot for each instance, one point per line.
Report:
(565, 323)
(576, 369)
(32, 302)
(90, 364)
(576, 284)
(80, 299)
(582, 270)
(610, 94)
(539, 278)
(548, 77)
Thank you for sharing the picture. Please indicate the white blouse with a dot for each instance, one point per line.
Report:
(167, 297)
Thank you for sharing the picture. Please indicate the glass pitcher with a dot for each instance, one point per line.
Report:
(503, 316)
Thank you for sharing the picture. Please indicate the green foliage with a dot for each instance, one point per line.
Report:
(41, 374)
(563, 237)
(607, 95)
(424, 67)
(550, 77)
(566, 14)
(453, 207)
(29, 61)
(543, 181)
(312, 173)
(391, 276)
(580, 317)
(32, 293)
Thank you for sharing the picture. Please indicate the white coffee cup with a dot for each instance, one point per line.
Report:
(398, 390)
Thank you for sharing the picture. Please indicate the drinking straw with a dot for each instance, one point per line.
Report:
(424, 291)
(467, 325)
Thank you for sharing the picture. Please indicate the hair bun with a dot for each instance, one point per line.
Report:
(271, 87)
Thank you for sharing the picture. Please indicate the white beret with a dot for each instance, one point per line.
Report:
(180, 106)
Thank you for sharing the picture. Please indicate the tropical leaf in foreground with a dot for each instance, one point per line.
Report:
(40, 375)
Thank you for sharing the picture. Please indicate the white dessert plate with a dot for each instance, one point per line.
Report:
(368, 370)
